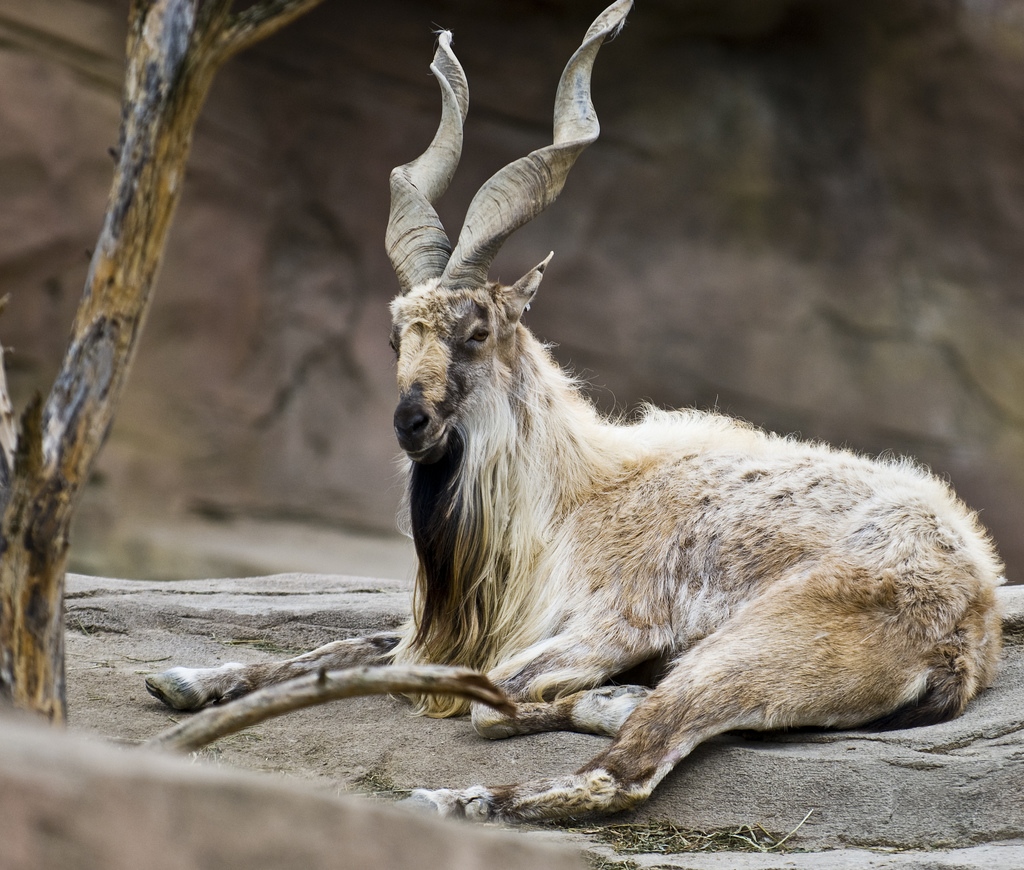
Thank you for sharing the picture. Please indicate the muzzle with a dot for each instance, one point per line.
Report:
(419, 431)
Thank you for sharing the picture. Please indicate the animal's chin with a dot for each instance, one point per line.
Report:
(430, 454)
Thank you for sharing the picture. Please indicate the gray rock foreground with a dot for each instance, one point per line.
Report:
(957, 788)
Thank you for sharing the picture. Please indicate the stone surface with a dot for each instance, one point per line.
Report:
(952, 786)
(1001, 856)
(68, 802)
(807, 214)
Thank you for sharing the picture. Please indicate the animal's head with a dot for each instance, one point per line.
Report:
(452, 346)
(455, 333)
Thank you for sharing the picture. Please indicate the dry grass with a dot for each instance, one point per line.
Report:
(376, 783)
(598, 862)
(664, 837)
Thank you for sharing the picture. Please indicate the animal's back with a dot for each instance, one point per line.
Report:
(709, 513)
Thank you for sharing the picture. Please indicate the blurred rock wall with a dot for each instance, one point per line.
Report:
(808, 214)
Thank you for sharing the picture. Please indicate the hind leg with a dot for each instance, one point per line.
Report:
(811, 657)
(192, 688)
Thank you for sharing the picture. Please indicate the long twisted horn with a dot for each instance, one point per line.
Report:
(415, 240)
(523, 189)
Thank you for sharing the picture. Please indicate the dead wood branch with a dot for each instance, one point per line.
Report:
(306, 691)
(258, 22)
(174, 50)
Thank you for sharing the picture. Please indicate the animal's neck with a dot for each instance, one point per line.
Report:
(482, 515)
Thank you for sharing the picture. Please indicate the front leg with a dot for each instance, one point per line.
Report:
(193, 688)
(572, 670)
(593, 711)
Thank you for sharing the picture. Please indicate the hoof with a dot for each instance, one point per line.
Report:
(473, 803)
(177, 688)
(602, 711)
(420, 801)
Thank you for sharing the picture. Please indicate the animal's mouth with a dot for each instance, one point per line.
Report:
(427, 454)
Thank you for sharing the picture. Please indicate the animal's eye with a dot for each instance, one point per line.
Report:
(393, 344)
(478, 337)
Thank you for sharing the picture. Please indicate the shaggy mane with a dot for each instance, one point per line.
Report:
(481, 516)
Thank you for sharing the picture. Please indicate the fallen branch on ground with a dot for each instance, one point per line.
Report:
(311, 689)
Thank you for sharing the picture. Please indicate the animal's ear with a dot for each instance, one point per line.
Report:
(522, 292)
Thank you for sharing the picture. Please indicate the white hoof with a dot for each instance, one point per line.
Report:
(187, 688)
(473, 803)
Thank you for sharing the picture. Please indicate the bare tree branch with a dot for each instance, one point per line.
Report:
(306, 691)
(258, 22)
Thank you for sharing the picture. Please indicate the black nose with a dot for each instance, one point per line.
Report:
(411, 422)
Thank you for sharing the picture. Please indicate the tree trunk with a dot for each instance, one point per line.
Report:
(174, 50)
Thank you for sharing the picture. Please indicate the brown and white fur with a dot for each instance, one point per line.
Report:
(774, 583)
